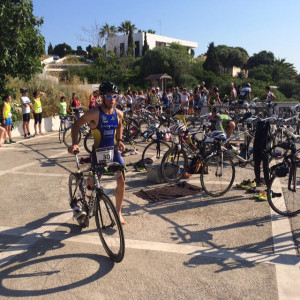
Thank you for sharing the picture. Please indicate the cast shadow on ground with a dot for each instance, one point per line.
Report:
(34, 259)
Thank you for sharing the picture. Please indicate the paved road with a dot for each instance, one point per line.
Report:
(194, 247)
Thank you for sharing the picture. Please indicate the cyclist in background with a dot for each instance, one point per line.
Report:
(245, 94)
(269, 95)
(213, 97)
(223, 122)
(107, 129)
(62, 105)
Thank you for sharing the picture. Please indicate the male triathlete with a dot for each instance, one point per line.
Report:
(223, 122)
(245, 94)
(107, 129)
(269, 95)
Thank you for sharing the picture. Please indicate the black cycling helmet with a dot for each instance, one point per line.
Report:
(248, 84)
(23, 90)
(215, 89)
(108, 87)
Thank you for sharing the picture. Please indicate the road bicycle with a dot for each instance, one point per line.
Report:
(98, 204)
(160, 144)
(283, 189)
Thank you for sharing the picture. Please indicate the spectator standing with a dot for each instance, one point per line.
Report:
(141, 100)
(184, 101)
(93, 100)
(204, 91)
(62, 105)
(191, 102)
(134, 100)
(233, 93)
(26, 105)
(7, 119)
(37, 111)
(129, 99)
(176, 99)
(121, 104)
(75, 105)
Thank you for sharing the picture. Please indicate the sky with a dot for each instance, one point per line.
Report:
(256, 25)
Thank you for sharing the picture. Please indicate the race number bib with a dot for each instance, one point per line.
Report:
(9, 114)
(175, 138)
(105, 155)
(39, 109)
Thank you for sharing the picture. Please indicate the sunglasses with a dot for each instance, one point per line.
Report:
(110, 97)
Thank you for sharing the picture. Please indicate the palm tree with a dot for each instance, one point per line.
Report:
(126, 26)
(107, 31)
(151, 31)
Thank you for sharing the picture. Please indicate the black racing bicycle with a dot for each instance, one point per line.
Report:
(99, 205)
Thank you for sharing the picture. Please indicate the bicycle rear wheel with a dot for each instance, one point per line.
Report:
(174, 164)
(154, 152)
(109, 228)
(67, 138)
(288, 204)
(217, 175)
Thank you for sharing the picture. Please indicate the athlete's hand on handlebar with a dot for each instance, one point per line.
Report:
(74, 149)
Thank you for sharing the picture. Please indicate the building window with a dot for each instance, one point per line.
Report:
(137, 49)
(160, 44)
(122, 49)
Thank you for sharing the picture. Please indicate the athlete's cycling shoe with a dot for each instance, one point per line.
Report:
(250, 185)
(244, 182)
(79, 215)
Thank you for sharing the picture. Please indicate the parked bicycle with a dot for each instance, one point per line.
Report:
(284, 185)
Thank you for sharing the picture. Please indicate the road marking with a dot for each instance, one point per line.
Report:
(48, 230)
(284, 244)
(33, 163)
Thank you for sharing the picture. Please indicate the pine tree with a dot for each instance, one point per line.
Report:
(50, 49)
(130, 43)
(212, 62)
(145, 46)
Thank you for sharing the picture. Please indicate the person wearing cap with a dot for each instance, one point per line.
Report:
(26, 105)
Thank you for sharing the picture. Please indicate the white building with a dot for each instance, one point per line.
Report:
(120, 43)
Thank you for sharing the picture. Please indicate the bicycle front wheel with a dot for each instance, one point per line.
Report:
(174, 164)
(67, 138)
(109, 228)
(154, 152)
(284, 198)
(88, 142)
(217, 175)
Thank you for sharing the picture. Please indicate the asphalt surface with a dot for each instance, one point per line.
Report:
(195, 247)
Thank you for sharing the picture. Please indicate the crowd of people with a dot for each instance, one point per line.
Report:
(189, 101)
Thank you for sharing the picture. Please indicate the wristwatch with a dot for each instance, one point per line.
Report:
(120, 140)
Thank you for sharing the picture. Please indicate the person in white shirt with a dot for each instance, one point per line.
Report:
(184, 101)
(26, 105)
